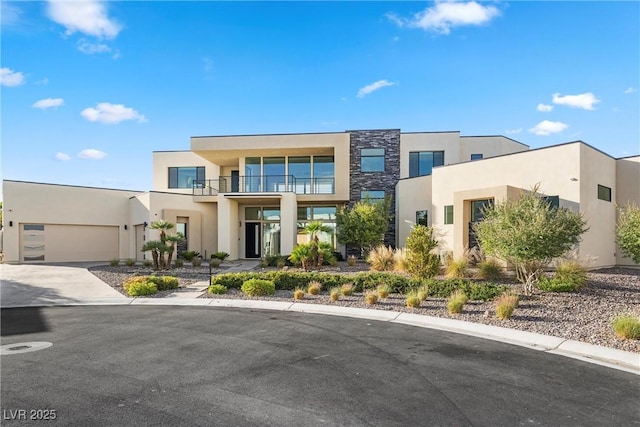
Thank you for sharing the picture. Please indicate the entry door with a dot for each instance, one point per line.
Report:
(477, 214)
(235, 181)
(253, 240)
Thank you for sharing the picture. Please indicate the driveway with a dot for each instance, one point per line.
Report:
(36, 284)
(151, 365)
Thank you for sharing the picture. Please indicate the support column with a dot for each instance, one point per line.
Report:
(228, 226)
(288, 222)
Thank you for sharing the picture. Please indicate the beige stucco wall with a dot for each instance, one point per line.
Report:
(413, 194)
(163, 160)
(449, 142)
(38, 203)
(628, 191)
(488, 146)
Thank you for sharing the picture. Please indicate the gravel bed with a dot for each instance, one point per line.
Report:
(583, 316)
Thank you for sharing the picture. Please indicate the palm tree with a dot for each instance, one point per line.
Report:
(163, 226)
(312, 229)
(152, 246)
(172, 241)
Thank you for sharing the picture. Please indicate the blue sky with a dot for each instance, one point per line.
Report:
(89, 89)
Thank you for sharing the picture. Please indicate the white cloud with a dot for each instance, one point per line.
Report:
(108, 113)
(43, 104)
(63, 157)
(546, 127)
(87, 17)
(44, 81)
(89, 48)
(445, 15)
(9, 14)
(512, 131)
(629, 90)
(373, 87)
(545, 108)
(583, 100)
(8, 77)
(92, 153)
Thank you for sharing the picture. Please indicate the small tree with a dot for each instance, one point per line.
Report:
(528, 233)
(312, 229)
(420, 261)
(628, 231)
(365, 224)
(166, 244)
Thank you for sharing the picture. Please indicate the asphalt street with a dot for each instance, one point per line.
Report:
(126, 365)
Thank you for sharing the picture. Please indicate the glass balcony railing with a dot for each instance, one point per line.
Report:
(263, 184)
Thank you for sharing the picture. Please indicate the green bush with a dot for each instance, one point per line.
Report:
(557, 284)
(114, 262)
(147, 263)
(164, 283)
(142, 288)
(133, 280)
(627, 327)
(571, 271)
(178, 263)
(489, 269)
(190, 255)
(217, 289)
(220, 255)
(475, 291)
(258, 287)
(130, 262)
(420, 262)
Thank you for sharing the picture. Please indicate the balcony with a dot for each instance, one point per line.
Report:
(263, 184)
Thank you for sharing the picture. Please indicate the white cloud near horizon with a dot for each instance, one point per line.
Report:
(92, 153)
(373, 87)
(88, 17)
(43, 104)
(513, 131)
(445, 15)
(585, 101)
(63, 157)
(546, 128)
(629, 90)
(108, 113)
(11, 78)
(544, 108)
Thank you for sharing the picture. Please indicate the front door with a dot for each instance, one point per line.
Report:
(477, 214)
(253, 240)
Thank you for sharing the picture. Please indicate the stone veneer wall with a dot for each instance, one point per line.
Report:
(389, 139)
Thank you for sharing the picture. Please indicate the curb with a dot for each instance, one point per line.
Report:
(604, 356)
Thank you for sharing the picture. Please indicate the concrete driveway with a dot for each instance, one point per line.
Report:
(32, 284)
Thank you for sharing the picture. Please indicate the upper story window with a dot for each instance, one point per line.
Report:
(373, 196)
(421, 162)
(184, 177)
(604, 193)
(476, 156)
(372, 160)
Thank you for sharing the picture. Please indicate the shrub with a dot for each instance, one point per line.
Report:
(281, 262)
(422, 293)
(190, 255)
(627, 327)
(413, 300)
(130, 262)
(164, 283)
(142, 288)
(258, 287)
(571, 271)
(298, 293)
(114, 262)
(475, 291)
(489, 269)
(196, 262)
(557, 284)
(420, 261)
(505, 305)
(400, 260)
(347, 289)
(314, 287)
(383, 291)
(351, 260)
(628, 231)
(456, 302)
(134, 279)
(334, 294)
(371, 297)
(215, 262)
(456, 269)
(219, 255)
(147, 263)
(381, 258)
(217, 289)
(178, 263)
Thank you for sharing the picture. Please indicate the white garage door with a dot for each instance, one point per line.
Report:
(68, 243)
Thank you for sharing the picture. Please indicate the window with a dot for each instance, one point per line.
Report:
(374, 196)
(323, 174)
(421, 162)
(448, 214)
(185, 177)
(476, 157)
(604, 193)
(252, 173)
(273, 171)
(324, 214)
(372, 160)
(552, 201)
(422, 218)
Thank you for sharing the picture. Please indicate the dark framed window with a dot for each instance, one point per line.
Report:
(552, 201)
(604, 193)
(422, 162)
(184, 177)
(422, 218)
(372, 160)
(374, 196)
(448, 214)
(476, 156)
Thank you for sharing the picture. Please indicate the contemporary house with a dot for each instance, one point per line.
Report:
(251, 195)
